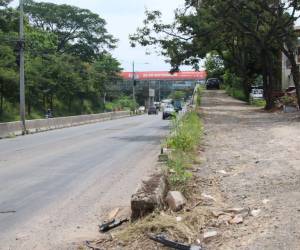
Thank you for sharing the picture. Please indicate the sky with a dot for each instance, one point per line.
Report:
(123, 17)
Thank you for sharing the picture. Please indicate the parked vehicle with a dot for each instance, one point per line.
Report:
(157, 105)
(142, 109)
(152, 110)
(213, 83)
(168, 112)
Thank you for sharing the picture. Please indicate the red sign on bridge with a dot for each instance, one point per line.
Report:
(165, 75)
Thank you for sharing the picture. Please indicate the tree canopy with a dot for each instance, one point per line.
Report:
(79, 31)
(247, 35)
(68, 68)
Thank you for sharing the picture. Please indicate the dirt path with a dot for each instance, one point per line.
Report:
(261, 154)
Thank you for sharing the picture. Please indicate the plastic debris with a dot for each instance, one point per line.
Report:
(111, 224)
(173, 244)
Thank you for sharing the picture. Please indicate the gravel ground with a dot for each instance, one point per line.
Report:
(259, 155)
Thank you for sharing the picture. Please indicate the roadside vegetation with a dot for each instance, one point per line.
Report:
(183, 142)
(258, 103)
(69, 68)
(122, 103)
(243, 47)
(183, 145)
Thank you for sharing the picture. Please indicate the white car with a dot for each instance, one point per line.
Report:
(168, 111)
(142, 109)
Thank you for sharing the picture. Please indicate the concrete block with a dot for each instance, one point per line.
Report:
(175, 200)
(149, 196)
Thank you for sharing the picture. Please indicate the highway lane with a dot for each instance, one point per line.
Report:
(61, 182)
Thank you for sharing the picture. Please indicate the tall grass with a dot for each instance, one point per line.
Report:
(199, 93)
(236, 93)
(186, 132)
(183, 141)
(258, 103)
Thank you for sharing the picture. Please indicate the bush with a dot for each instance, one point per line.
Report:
(186, 133)
(236, 93)
(199, 93)
(258, 102)
(178, 164)
(233, 86)
(184, 139)
(123, 103)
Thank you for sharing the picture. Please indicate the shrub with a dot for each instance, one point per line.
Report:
(186, 132)
(233, 86)
(185, 137)
(123, 103)
(178, 163)
(258, 102)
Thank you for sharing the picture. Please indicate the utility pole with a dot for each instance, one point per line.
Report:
(133, 82)
(22, 71)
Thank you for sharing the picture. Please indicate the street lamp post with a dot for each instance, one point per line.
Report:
(22, 63)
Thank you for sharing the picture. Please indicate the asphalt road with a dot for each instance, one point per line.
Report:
(61, 182)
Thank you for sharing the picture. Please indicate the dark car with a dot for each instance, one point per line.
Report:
(177, 105)
(213, 83)
(152, 111)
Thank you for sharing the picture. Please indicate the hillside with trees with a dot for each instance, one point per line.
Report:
(68, 65)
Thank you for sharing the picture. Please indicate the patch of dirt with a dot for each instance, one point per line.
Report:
(259, 154)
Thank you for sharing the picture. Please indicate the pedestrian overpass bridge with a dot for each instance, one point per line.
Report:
(162, 82)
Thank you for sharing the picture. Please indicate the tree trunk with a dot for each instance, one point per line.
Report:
(1, 103)
(29, 103)
(70, 104)
(270, 103)
(294, 70)
(51, 102)
(296, 78)
(29, 106)
(268, 79)
(246, 88)
(45, 103)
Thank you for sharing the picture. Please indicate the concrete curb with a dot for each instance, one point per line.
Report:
(149, 196)
(11, 129)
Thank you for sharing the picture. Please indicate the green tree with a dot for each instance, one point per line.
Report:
(80, 32)
(214, 66)
(8, 74)
(247, 35)
(105, 72)
(177, 95)
(68, 67)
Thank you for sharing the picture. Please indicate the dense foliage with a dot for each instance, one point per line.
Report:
(248, 36)
(68, 65)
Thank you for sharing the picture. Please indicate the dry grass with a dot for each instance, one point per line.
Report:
(187, 230)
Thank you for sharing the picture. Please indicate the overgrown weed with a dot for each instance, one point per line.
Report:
(183, 141)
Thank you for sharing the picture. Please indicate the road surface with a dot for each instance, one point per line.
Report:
(60, 183)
